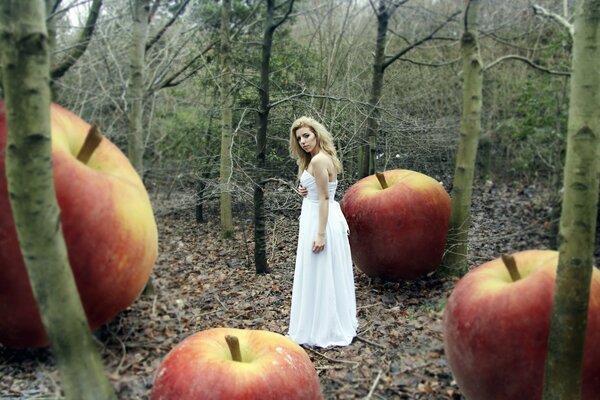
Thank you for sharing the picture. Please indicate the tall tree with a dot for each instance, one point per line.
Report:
(271, 24)
(136, 92)
(226, 123)
(26, 77)
(383, 11)
(455, 260)
(562, 375)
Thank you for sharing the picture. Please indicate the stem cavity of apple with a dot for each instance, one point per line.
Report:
(381, 178)
(234, 347)
(511, 266)
(92, 140)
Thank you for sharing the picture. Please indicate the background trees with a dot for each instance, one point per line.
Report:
(321, 65)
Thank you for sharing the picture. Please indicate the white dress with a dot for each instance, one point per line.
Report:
(323, 309)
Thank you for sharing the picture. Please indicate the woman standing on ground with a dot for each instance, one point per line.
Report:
(323, 311)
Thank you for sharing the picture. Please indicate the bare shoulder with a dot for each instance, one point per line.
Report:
(322, 164)
(322, 160)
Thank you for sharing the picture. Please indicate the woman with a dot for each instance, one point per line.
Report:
(323, 309)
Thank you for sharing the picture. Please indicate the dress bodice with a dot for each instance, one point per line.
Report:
(310, 183)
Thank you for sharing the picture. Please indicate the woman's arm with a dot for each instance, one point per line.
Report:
(319, 167)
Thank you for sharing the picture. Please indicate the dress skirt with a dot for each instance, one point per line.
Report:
(323, 311)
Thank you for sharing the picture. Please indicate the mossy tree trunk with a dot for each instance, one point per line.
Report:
(455, 259)
(26, 76)
(562, 375)
(135, 143)
(226, 123)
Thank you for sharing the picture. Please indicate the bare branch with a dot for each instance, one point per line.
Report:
(431, 64)
(287, 14)
(528, 62)
(82, 42)
(419, 42)
(541, 11)
(159, 34)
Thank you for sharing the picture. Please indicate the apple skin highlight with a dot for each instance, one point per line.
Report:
(108, 226)
(397, 233)
(496, 330)
(201, 367)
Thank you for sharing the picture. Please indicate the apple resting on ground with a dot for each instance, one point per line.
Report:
(496, 330)
(397, 232)
(107, 223)
(210, 365)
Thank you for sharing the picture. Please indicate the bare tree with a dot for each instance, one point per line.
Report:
(383, 11)
(455, 260)
(563, 371)
(271, 24)
(225, 175)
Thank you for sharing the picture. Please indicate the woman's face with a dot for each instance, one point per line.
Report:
(307, 140)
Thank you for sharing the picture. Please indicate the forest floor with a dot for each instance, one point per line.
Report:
(203, 281)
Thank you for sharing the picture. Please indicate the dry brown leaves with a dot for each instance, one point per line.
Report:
(203, 281)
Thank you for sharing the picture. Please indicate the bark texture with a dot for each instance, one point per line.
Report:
(26, 76)
(562, 375)
(455, 259)
(135, 145)
(226, 123)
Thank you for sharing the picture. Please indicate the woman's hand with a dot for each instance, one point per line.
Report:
(303, 191)
(319, 243)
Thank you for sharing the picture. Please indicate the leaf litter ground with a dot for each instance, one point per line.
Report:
(202, 281)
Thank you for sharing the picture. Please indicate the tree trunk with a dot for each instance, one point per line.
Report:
(260, 252)
(455, 260)
(562, 375)
(369, 144)
(26, 76)
(260, 246)
(226, 122)
(135, 144)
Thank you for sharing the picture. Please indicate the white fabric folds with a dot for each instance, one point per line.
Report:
(323, 311)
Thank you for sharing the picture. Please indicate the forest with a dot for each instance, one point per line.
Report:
(495, 101)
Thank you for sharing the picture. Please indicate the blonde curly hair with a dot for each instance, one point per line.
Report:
(324, 139)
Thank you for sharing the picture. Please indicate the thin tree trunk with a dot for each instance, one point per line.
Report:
(260, 247)
(455, 260)
(369, 144)
(26, 75)
(135, 145)
(260, 253)
(562, 375)
(226, 122)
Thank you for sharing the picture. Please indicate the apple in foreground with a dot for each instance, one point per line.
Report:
(496, 329)
(228, 363)
(398, 224)
(108, 226)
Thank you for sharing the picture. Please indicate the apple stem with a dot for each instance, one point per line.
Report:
(92, 140)
(234, 347)
(381, 178)
(511, 266)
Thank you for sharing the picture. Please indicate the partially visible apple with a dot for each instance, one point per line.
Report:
(399, 231)
(262, 365)
(496, 329)
(108, 226)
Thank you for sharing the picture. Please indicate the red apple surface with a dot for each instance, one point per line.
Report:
(107, 223)
(270, 367)
(398, 232)
(496, 330)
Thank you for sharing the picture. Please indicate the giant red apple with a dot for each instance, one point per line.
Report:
(399, 231)
(108, 226)
(227, 363)
(496, 329)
